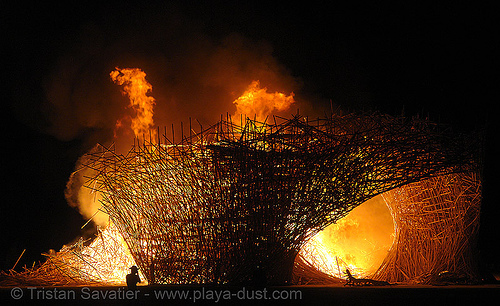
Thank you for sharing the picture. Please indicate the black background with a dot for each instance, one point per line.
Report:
(433, 60)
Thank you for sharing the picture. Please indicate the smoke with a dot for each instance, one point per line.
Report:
(84, 199)
(193, 75)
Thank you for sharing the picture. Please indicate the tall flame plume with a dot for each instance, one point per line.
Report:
(136, 88)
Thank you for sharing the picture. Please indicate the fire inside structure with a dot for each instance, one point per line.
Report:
(222, 204)
(240, 200)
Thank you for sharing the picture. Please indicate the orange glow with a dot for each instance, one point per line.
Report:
(256, 101)
(136, 88)
(107, 258)
(360, 241)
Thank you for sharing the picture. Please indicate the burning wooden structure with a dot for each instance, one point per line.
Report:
(234, 201)
(437, 220)
(85, 262)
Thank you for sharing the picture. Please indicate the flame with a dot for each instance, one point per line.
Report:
(360, 241)
(136, 88)
(108, 257)
(257, 101)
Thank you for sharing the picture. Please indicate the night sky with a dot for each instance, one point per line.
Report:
(435, 61)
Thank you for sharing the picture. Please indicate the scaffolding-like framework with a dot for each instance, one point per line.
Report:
(234, 201)
(436, 220)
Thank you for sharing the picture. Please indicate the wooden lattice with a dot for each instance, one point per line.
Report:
(233, 201)
(237, 201)
(437, 220)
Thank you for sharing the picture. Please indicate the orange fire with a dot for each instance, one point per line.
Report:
(256, 101)
(136, 88)
(351, 243)
(107, 258)
(110, 256)
(359, 242)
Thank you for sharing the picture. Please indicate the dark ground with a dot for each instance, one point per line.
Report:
(292, 295)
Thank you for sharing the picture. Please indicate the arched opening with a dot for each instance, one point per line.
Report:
(359, 242)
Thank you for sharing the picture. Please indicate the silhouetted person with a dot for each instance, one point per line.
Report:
(259, 277)
(152, 273)
(133, 278)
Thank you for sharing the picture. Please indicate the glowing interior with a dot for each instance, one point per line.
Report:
(360, 241)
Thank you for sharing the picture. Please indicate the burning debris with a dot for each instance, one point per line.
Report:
(103, 260)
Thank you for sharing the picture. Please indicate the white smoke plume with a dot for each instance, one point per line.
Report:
(85, 199)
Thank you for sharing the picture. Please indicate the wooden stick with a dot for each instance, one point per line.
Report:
(19, 258)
